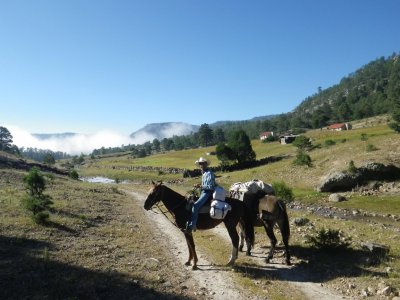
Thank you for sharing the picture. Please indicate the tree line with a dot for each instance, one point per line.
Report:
(372, 90)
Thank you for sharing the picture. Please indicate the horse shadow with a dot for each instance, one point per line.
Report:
(28, 272)
(314, 265)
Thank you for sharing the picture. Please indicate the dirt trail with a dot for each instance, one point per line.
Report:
(216, 282)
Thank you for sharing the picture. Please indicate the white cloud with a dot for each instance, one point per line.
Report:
(77, 144)
(86, 143)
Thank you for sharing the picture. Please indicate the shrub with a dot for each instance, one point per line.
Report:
(364, 137)
(41, 217)
(370, 148)
(73, 174)
(302, 159)
(329, 143)
(328, 239)
(302, 143)
(269, 139)
(35, 201)
(282, 191)
(352, 168)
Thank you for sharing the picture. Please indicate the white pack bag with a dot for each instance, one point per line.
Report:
(239, 190)
(219, 209)
(219, 193)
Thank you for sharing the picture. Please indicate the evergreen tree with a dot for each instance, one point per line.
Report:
(395, 125)
(205, 135)
(219, 136)
(156, 145)
(224, 153)
(241, 146)
(49, 159)
(6, 139)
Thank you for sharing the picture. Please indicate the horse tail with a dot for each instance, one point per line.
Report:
(285, 228)
(248, 224)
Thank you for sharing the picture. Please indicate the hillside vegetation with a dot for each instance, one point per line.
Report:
(349, 146)
(98, 245)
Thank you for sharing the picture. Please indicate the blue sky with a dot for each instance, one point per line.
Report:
(90, 65)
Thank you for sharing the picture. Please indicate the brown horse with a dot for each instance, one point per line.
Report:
(177, 206)
(267, 211)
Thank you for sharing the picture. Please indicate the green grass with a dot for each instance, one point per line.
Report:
(380, 204)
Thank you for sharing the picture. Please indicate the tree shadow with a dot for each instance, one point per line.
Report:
(27, 272)
(316, 265)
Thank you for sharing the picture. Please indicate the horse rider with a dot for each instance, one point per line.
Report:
(207, 188)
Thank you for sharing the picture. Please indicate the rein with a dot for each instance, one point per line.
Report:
(164, 212)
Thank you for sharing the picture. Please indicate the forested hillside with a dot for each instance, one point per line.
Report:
(372, 90)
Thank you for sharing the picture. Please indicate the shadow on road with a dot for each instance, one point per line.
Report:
(315, 265)
(27, 272)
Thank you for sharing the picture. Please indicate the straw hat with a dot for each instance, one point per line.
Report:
(201, 160)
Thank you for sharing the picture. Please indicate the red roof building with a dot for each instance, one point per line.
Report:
(340, 126)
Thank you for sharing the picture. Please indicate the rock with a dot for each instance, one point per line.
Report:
(365, 293)
(343, 181)
(375, 248)
(301, 221)
(385, 291)
(336, 198)
(338, 181)
(378, 252)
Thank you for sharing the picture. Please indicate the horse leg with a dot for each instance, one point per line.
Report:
(269, 228)
(188, 263)
(235, 242)
(285, 237)
(192, 251)
(243, 238)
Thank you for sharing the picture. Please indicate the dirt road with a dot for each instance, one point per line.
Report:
(219, 283)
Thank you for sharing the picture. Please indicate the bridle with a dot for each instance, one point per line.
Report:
(158, 198)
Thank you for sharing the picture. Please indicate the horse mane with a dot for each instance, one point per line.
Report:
(173, 194)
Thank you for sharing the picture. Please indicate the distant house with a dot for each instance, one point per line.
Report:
(266, 134)
(287, 139)
(340, 126)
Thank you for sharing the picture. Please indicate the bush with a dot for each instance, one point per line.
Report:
(302, 143)
(352, 168)
(35, 201)
(41, 217)
(329, 143)
(328, 239)
(302, 159)
(371, 148)
(364, 137)
(282, 191)
(73, 174)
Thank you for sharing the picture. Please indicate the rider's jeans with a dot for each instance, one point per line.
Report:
(205, 194)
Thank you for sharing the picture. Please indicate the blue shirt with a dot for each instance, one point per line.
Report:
(208, 180)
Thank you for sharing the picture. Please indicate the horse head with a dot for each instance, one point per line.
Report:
(154, 196)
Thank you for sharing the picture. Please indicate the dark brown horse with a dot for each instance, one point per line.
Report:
(176, 205)
(267, 211)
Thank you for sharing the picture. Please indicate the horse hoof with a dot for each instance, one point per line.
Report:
(187, 263)
(248, 253)
(241, 249)
(288, 263)
(195, 268)
(267, 260)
